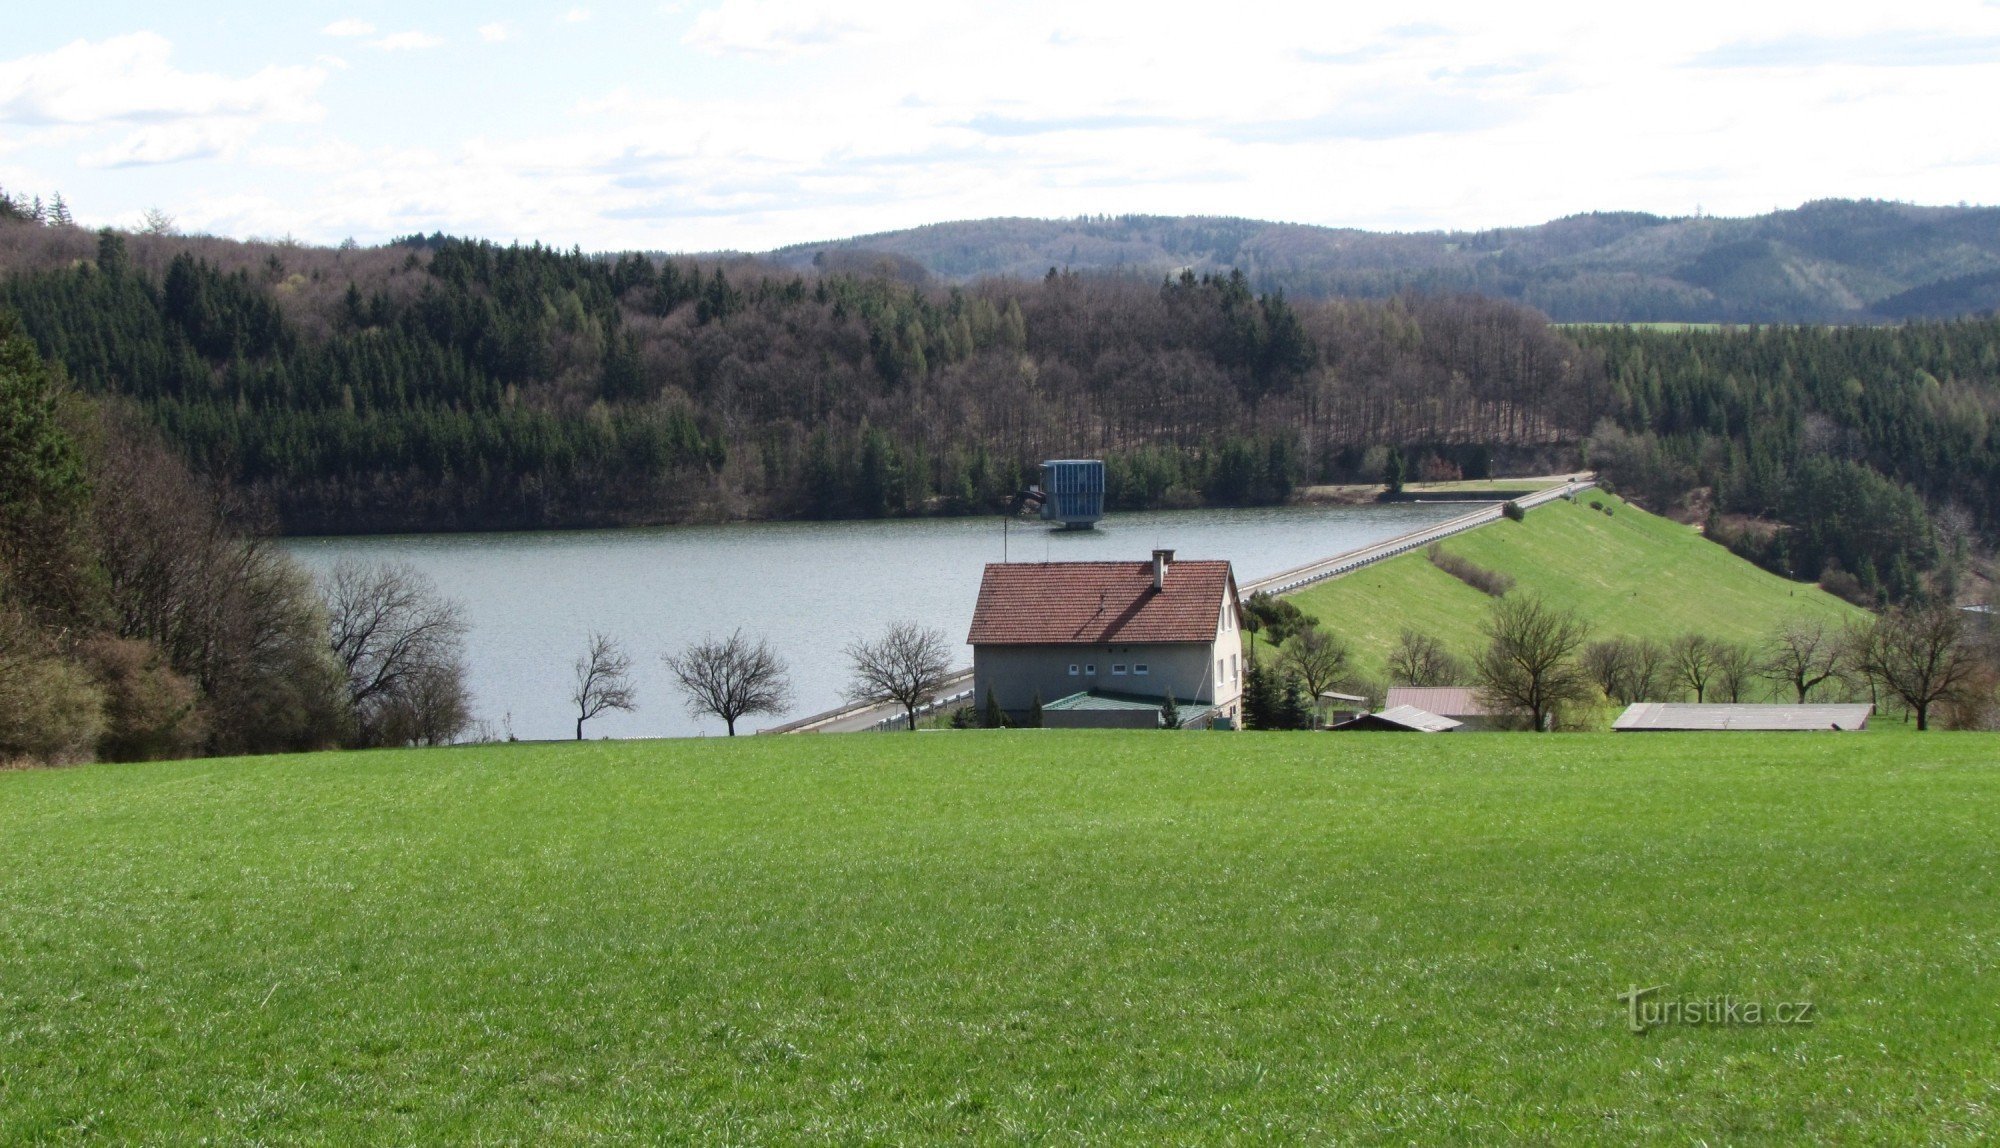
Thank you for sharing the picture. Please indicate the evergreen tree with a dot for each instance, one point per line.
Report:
(996, 718)
(1263, 700)
(1035, 710)
(1170, 713)
(1394, 471)
(1293, 711)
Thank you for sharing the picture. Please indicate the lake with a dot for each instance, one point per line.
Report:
(532, 599)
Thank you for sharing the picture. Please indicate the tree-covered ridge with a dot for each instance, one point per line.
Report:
(1831, 260)
(443, 384)
(1845, 434)
(449, 383)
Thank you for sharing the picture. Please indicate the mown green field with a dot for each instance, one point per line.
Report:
(1005, 937)
(1629, 573)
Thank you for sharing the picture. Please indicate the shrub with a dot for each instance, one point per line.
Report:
(1596, 504)
(151, 712)
(1471, 573)
(50, 711)
(1513, 510)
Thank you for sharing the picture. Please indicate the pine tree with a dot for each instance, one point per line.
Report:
(1293, 712)
(996, 718)
(1035, 710)
(1170, 714)
(59, 215)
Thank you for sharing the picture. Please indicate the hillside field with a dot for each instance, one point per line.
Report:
(1628, 572)
(1018, 936)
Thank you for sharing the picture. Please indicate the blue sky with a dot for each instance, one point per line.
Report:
(753, 123)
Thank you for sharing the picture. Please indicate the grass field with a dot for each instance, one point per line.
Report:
(1628, 573)
(1006, 937)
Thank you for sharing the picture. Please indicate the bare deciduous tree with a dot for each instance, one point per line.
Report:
(1735, 669)
(1318, 660)
(1918, 653)
(1627, 669)
(601, 679)
(907, 665)
(396, 639)
(1529, 665)
(1693, 661)
(1801, 654)
(1608, 663)
(731, 678)
(1419, 659)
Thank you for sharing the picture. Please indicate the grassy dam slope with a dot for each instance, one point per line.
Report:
(1629, 573)
(1006, 937)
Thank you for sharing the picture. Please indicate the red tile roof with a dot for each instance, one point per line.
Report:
(1099, 603)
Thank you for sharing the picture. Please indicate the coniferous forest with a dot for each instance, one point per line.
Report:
(440, 384)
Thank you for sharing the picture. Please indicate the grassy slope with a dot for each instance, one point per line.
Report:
(1627, 573)
(1004, 936)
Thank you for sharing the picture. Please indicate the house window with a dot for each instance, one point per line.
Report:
(1072, 669)
(1139, 668)
(1232, 667)
(1090, 669)
(1118, 668)
(1219, 679)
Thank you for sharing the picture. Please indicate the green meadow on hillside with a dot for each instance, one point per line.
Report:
(1007, 936)
(1627, 573)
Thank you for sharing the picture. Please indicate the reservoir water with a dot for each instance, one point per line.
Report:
(810, 588)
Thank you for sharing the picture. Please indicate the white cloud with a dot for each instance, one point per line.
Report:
(868, 115)
(128, 79)
(169, 143)
(408, 41)
(772, 28)
(348, 27)
(576, 16)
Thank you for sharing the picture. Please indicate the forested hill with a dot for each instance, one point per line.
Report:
(449, 384)
(1828, 261)
(452, 384)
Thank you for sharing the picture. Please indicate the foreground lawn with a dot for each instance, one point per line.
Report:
(1022, 936)
(1628, 573)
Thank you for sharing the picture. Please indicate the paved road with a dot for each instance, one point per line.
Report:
(958, 688)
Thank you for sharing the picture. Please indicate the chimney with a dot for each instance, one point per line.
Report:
(1161, 560)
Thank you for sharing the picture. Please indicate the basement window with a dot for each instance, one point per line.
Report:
(1139, 669)
(1072, 669)
(1119, 669)
(1090, 669)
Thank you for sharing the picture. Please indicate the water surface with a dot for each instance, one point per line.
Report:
(809, 587)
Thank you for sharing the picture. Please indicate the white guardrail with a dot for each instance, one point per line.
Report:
(1284, 582)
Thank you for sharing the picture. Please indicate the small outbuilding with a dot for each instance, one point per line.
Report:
(1683, 716)
(1401, 719)
(1337, 707)
(1459, 703)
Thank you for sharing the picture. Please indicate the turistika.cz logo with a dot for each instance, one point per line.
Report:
(1645, 1009)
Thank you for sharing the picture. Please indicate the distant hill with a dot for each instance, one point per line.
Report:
(1827, 261)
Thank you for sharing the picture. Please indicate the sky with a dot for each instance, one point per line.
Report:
(701, 125)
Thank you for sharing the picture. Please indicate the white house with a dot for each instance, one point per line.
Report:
(1105, 643)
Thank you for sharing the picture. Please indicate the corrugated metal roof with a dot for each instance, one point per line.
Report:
(1403, 717)
(1717, 716)
(1451, 701)
(1099, 603)
(1102, 700)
